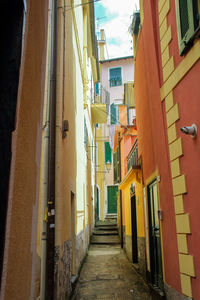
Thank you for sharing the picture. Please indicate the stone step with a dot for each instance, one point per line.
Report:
(109, 222)
(105, 228)
(111, 216)
(105, 240)
(105, 232)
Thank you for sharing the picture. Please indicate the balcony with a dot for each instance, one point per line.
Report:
(100, 106)
(132, 158)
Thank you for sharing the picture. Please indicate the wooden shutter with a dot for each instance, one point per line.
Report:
(108, 156)
(115, 77)
(113, 114)
(97, 90)
(187, 22)
(115, 166)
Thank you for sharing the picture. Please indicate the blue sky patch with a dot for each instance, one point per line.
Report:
(102, 15)
(113, 41)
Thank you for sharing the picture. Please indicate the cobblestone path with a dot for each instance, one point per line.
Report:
(108, 275)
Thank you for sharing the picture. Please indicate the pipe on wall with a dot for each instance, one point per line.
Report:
(45, 159)
(49, 295)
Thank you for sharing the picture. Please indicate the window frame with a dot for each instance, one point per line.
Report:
(117, 67)
(185, 42)
(114, 119)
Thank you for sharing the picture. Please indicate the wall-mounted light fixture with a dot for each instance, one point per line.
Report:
(65, 128)
(191, 130)
(108, 166)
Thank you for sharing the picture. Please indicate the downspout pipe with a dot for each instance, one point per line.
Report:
(95, 179)
(51, 165)
(45, 161)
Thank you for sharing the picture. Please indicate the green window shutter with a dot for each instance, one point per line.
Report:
(114, 114)
(115, 77)
(97, 88)
(118, 165)
(187, 22)
(108, 154)
(115, 167)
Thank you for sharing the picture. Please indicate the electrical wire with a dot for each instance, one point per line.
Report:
(82, 4)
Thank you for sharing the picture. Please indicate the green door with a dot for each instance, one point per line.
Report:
(112, 192)
(97, 205)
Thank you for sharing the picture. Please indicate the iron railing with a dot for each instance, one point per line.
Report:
(132, 158)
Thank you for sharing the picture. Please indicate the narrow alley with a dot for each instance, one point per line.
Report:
(106, 273)
(99, 150)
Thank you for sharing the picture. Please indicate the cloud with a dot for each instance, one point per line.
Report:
(116, 24)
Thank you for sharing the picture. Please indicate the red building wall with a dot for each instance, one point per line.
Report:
(152, 135)
(186, 94)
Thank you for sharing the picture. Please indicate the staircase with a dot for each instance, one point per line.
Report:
(105, 233)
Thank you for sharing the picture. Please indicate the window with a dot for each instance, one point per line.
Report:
(116, 166)
(115, 77)
(108, 154)
(114, 114)
(97, 88)
(187, 22)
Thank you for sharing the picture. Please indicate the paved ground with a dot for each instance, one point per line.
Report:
(108, 275)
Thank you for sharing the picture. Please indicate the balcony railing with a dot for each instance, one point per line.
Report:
(132, 158)
(102, 97)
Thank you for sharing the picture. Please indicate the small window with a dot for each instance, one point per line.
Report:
(114, 114)
(97, 88)
(187, 22)
(115, 77)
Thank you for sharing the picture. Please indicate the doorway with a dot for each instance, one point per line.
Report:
(97, 204)
(134, 230)
(73, 233)
(154, 236)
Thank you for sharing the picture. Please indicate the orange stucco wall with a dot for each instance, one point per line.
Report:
(152, 136)
(19, 254)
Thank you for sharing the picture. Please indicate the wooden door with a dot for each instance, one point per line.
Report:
(134, 230)
(97, 204)
(112, 192)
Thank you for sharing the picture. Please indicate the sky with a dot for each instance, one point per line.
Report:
(115, 16)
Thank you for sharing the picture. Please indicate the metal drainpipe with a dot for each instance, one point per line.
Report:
(95, 181)
(119, 144)
(128, 103)
(51, 178)
(45, 160)
(121, 221)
